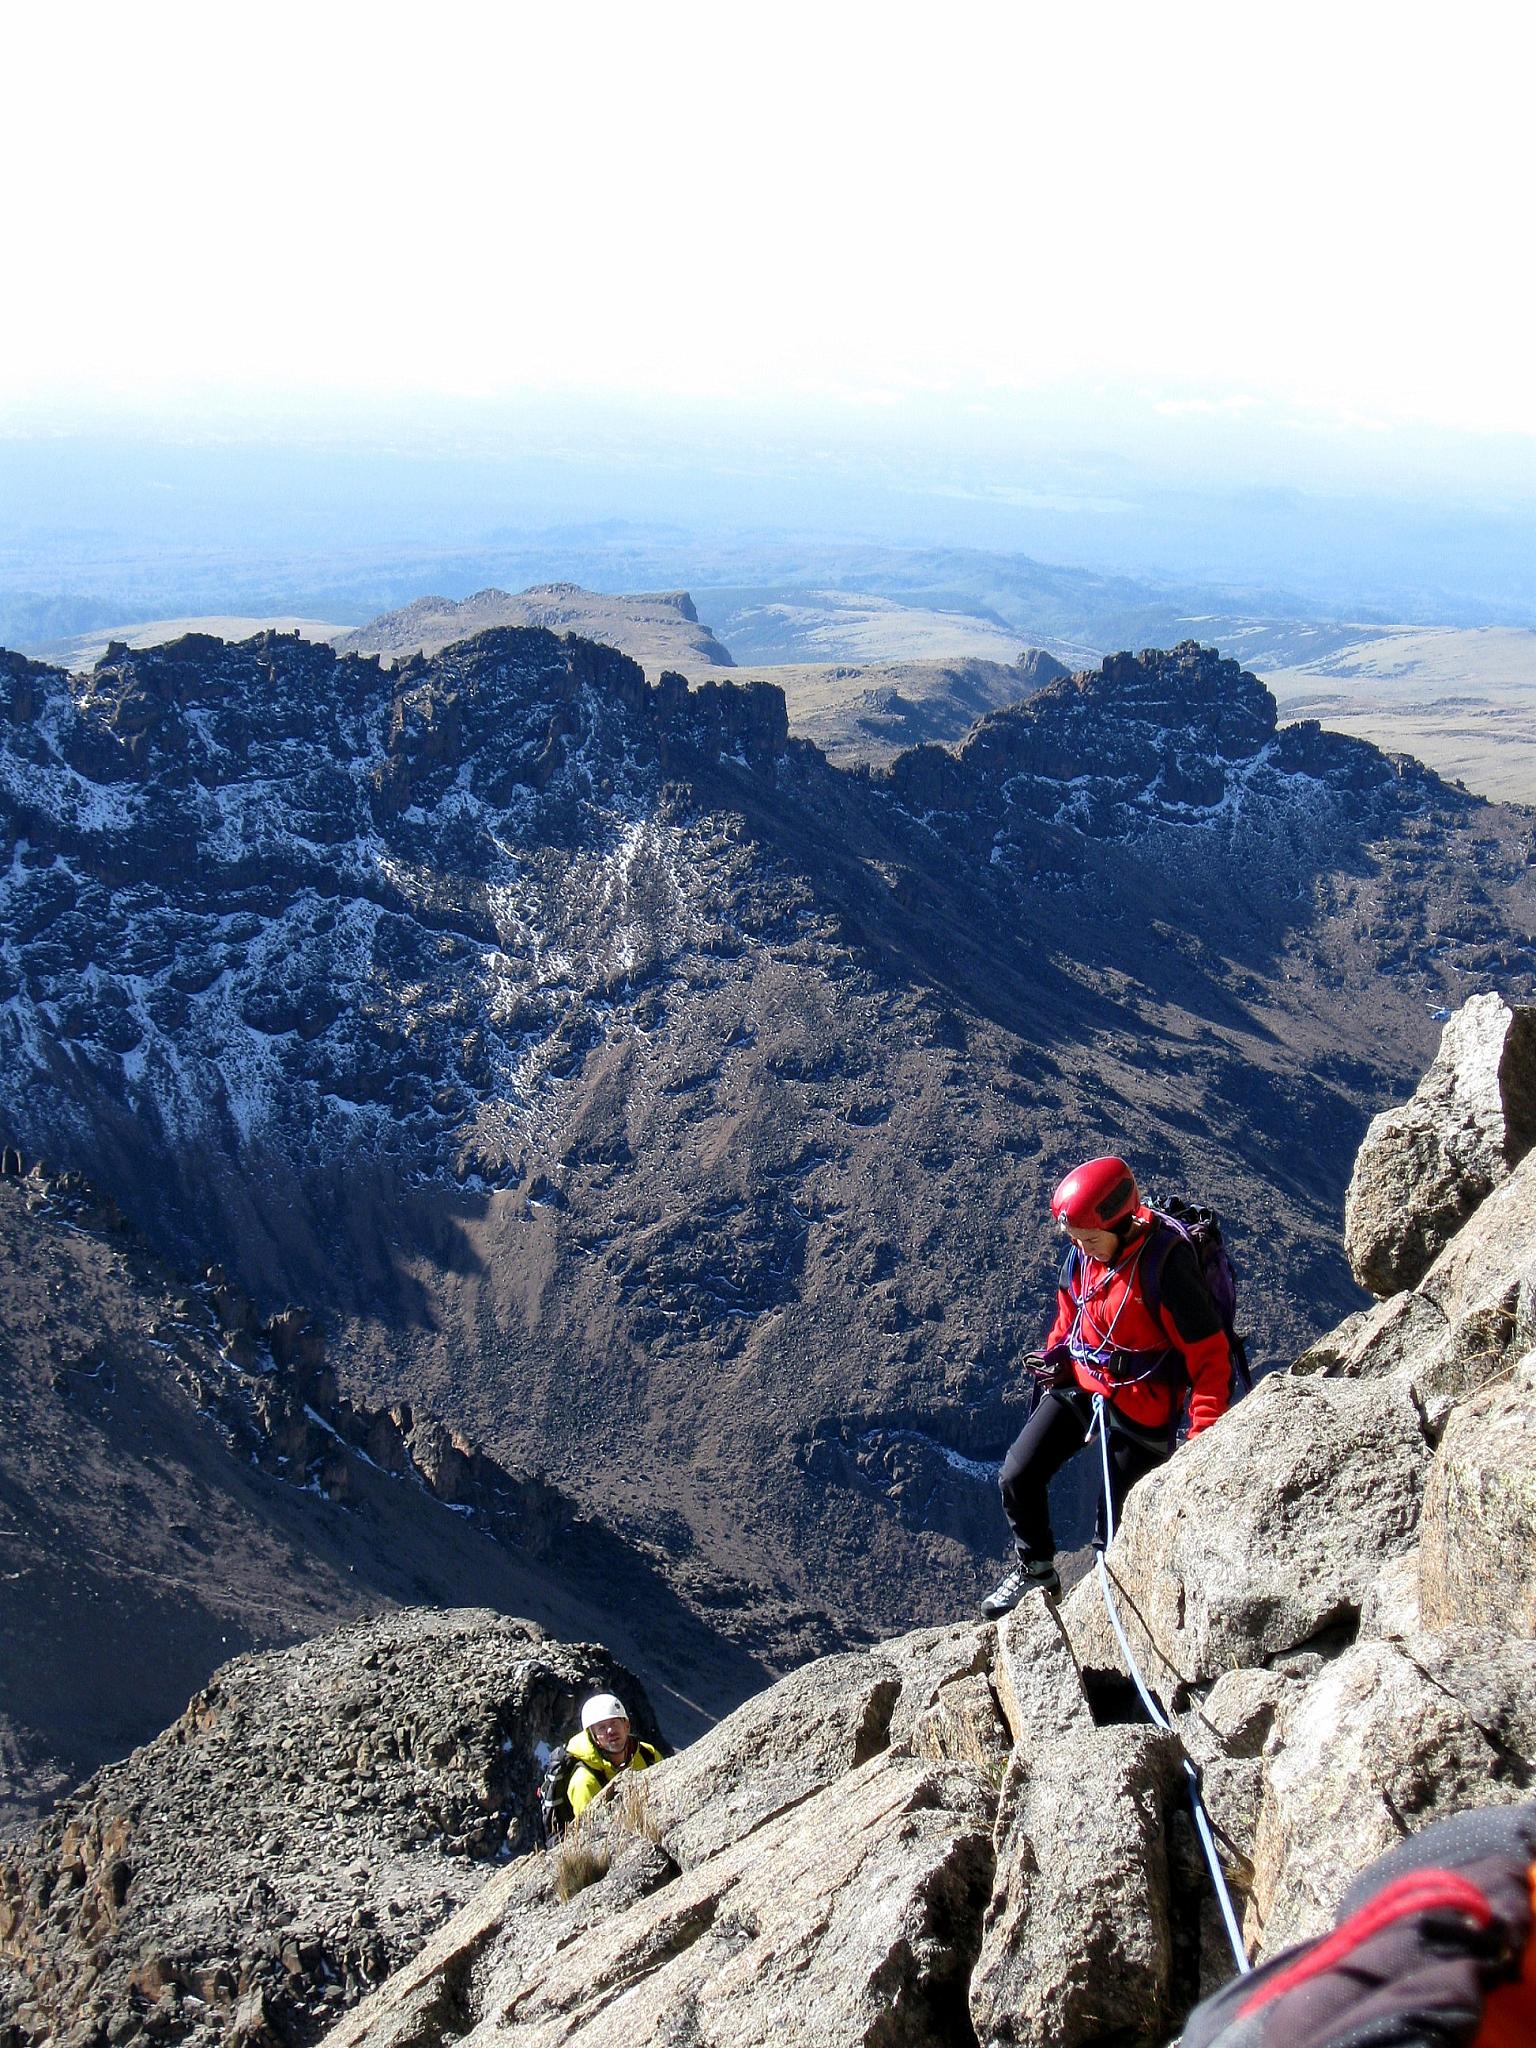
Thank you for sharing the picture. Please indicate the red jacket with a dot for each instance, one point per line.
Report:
(1113, 1316)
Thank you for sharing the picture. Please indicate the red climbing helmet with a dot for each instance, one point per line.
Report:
(1096, 1195)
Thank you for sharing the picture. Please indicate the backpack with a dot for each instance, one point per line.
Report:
(1198, 1228)
(553, 1815)
(1433, 1943)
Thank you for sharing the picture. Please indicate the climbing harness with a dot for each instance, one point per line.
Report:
(1100, 1427)
(1104, 1358)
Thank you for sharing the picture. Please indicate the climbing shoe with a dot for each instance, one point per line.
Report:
(1024, 1578)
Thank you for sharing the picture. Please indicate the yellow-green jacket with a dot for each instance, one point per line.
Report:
(596, 1769)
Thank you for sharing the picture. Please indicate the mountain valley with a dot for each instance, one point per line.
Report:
(670, 1111)
(969, 1833)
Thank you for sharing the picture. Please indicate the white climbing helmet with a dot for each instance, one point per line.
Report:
(603, 1706)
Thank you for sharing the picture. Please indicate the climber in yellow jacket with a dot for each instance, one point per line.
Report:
(604, 1747)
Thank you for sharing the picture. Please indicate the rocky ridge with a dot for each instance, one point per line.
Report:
(1472, 1118)
(656, 1102)
(969, 1833)
(294, 1836)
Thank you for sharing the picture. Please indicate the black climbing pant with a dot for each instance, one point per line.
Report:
(1056, 1431)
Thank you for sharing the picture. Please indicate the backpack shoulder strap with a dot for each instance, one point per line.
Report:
(1164, 1234)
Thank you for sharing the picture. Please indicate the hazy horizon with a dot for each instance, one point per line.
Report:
(325, 302)
(604, 494)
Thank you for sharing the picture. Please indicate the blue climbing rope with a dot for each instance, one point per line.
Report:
(1100, 1427)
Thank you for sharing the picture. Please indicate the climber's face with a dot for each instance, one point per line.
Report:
(1098, 1244)
(611, 1736)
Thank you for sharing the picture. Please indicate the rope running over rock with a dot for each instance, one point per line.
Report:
(1155, 1714)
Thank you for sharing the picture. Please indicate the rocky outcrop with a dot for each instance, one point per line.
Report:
(312, 1817)
(1394, 1734)
(1265, 1533)
(1426, 1166)
(829, 1850)
(1078, 1937)
(843, 1900)
(1038, 668)
(1036, 1678)
(1333, 1586)
(848, 1920)
(806, 1732)
(1458, 1328)
(1024, 1892)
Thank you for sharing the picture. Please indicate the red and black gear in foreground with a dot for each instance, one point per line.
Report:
(1433, 1949)
(1144, 1349)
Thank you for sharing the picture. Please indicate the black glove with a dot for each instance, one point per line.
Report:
(1051, 1368)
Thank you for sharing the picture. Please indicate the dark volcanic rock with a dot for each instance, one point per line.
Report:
(665, 1108)
(296, 1834)
(1153, 751)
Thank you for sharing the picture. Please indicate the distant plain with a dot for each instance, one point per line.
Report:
(1461, 699)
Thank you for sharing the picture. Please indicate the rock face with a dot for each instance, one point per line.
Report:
(1455, 1331)
(1476, 1560)
(1398, 1732)
(1265, 1533)
(295, 1835)
(855, 1916)
(1078, 1936)
(1335, 1583)
(898, 1899)
(1039, 668)
(1425, 1167)
(669, 1112)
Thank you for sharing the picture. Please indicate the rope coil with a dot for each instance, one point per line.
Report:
(1100, 1427)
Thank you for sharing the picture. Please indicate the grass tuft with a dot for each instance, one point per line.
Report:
(578, 1863)
(634, 1816)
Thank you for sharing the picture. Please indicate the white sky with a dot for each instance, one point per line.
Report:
(1327, 203)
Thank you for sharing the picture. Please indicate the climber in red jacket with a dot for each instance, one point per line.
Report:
(1143, 1349)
